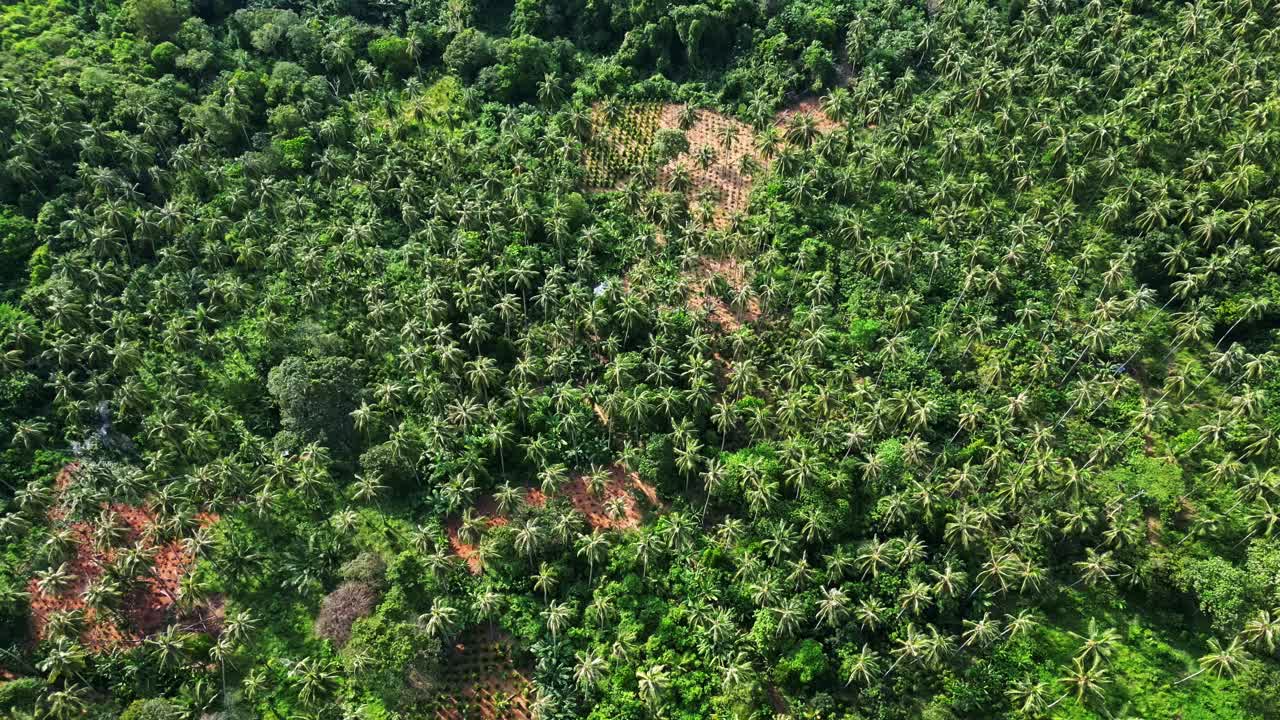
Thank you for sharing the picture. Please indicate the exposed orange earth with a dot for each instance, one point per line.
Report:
(145, 609)
(620, 485)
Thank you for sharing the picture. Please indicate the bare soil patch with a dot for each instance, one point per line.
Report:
(487, 510)
(146, 607)
(809, 106)
(719, 165)
(718, 145)
(623, 490)
(481, 679)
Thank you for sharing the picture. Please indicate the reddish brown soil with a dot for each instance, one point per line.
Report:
(621, 484)
(145, 609)
(64, 476)
(535, 498)
(485, 508)
(479, 670)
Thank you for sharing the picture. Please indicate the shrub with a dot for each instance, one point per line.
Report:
(20, 693)
(391, 53)
(396, 472)
(367, 568)
(1219, 588)
(804, 664)
(342, 608)
(164, 55)
(153, 709)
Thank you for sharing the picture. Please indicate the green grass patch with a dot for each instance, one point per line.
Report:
(1157, 648)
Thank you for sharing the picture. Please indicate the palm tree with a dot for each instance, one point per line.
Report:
(652, 682)
(486, 605)
(589, 669)
(833, 607)
(63, 660)
(528, 538)
(368, 487)
(557, 616)
(1019, 623)
(1029, 697)
(313, 677)
(594, 547)
(68, 702)
(863, 667)
(441, 620)
(647, 546)
(169, 647)
(601, 609)
(1097, 644)
(1263, 629)
(981, 632)
(1083, 681)
(507, 498)
(545, 580)
(787, 615)
(1220, 660)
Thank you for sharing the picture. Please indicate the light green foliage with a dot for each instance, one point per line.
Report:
(804, 665)
(391, 53)
(1158, 481)
(956, 398)
(153, 709)
(1219, 587)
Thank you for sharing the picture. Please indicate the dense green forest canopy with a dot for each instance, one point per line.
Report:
(622, 359)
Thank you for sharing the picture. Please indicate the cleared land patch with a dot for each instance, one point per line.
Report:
(481, 679)
(617, 501)
(147, 594)
(720, 161)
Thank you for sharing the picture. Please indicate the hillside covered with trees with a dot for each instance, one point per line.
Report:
(613, 359)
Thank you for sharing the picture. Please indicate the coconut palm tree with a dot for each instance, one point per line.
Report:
(545, 580)
(1263, 630)
(1096, 643)
(1220, 660)
(833, 607)
(589, 669)
(441, 620)
(652, 683)
(557, 616)
(594, 547)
